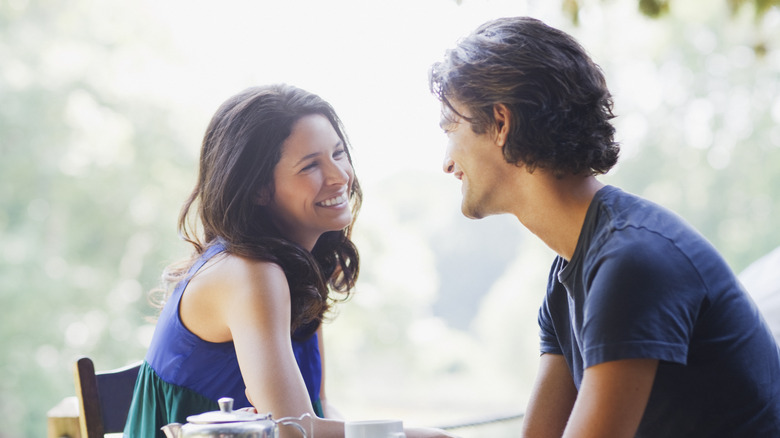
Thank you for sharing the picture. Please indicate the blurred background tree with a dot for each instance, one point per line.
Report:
(90, 180)
(102, 105)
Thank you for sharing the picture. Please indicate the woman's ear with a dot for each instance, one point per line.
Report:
(263, 197)
(502, 116)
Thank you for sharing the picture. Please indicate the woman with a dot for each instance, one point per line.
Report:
(270, 220)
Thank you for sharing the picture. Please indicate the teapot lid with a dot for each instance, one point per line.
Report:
(225, 414)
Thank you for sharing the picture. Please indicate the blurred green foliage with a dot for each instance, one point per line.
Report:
(659, 8)
(703, 137)
(656, 8)
(85, 177)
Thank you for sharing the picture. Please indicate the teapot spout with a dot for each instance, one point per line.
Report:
(172, 430)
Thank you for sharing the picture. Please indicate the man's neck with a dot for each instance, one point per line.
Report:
(554, 209)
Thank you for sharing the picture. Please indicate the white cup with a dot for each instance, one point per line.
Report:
(374, 429)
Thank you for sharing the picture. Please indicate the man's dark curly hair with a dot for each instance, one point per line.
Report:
(557, 96)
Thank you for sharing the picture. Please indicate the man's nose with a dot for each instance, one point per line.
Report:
(448, 166)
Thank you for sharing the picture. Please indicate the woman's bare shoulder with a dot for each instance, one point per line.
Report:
(230, 287)
(232, 276)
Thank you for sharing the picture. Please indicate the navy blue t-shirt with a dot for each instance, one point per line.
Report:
(644, 284)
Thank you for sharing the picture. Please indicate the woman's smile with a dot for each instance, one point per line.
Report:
(336, 201)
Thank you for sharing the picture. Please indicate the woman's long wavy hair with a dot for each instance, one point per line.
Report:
(557, 96)
(241, 147)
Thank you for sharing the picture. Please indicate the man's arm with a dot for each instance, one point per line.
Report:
(552, 399)
(612, 399)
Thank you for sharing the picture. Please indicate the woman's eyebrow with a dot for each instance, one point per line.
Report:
(315, 154)
(307, 157)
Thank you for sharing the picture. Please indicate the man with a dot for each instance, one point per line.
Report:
(645, 331)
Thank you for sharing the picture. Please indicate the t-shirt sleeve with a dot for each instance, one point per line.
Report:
(642, 301)
(547, 333)
(549, 340)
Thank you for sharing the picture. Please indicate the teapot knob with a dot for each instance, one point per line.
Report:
(225, 404)
(172, 430)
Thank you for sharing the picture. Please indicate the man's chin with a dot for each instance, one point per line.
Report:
(470, 212)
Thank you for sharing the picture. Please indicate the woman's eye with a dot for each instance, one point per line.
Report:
(338, 153)
(310, 166)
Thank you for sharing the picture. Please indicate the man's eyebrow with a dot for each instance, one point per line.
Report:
(446, 121)
(446, 118)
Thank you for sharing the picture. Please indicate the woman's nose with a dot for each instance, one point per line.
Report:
(339, 173)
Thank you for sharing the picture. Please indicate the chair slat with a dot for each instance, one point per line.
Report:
(89, 401)
(104, 397)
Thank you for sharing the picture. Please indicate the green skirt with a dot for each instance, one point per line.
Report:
(157, 403)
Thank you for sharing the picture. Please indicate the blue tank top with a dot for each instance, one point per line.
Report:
(181, 358)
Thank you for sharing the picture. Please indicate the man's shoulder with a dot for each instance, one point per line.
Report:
(620, 211)
(620, 204)
(633, 231)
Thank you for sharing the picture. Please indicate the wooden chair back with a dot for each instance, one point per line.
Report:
(104, 398)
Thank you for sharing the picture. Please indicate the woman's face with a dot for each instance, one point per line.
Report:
(312, 182)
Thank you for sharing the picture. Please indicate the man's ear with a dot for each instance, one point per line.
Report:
(502, 116)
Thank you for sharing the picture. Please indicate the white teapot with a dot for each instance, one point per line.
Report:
(227, 423)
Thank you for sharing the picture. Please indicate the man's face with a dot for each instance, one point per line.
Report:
(476, 160)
